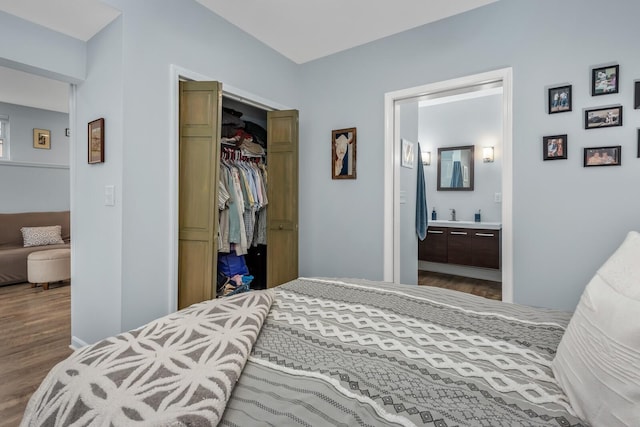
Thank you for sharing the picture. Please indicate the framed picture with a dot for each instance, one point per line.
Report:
(605, 80)
(603, 156)
(554, 147)
(42, 138)
(603, 117)
(560, 99)
(96, 141)
(408, 154)
(343, 154)
(636, 99)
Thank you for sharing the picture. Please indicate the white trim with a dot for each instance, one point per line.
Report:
(176, 73)
(391, 233)
(77, 343)
(33, 165)
(73, 174)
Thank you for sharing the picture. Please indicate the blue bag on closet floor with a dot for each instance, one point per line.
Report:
(231, 264)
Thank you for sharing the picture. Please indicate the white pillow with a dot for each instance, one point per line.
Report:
(598, 360)
(41, 236)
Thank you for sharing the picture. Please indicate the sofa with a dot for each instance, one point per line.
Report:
(13, 254)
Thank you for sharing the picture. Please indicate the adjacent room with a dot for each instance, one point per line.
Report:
(244, 212)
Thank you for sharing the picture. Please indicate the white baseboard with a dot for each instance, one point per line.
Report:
(77, 343)
(460, 270)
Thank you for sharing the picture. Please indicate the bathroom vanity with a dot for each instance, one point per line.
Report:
(475, 244)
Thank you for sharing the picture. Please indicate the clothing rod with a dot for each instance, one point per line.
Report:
(246, 101)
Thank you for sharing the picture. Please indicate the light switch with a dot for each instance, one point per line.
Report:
(403, 197)
(497, 197)
(109, 195)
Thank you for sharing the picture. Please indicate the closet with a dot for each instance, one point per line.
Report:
(206, 140)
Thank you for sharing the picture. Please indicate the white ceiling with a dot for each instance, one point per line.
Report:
(304, 30)
(301, 30)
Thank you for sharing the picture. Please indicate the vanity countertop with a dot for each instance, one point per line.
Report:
(466, 224)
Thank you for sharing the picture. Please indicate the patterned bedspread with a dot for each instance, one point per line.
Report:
(178, 370)
(333, 353)
(319, 352)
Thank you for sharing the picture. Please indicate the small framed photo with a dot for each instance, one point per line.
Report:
(603, 156)
(408, 154)
(343, 154)
(42, 138)
(603, 117)
(560, 99)
(554, 147)
(96, 141)
(605, 80)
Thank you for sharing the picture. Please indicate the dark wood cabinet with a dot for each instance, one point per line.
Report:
(485, 248)
(434, 247)
(461, 246)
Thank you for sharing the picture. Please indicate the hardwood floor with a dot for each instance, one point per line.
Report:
(35, 333)
(483, 288)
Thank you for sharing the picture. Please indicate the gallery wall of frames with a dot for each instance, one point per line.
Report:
(605, 80)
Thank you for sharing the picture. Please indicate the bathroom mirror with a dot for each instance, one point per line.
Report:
(455, 168)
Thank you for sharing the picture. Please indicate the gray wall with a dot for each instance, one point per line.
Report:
(554, 206)
(38, 50)
(194, 38)
(96, 309)
(35, 180)
(475, 122)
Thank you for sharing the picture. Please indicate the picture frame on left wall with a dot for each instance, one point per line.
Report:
(95, 144)
(42, 139)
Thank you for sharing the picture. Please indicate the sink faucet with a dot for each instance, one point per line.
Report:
(453, 214)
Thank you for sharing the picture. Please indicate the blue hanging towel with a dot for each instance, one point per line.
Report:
(456, 176)
(421, 201)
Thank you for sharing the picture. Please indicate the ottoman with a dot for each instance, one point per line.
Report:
(52, 265)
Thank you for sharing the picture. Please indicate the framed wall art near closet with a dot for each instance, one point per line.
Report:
(343, 153)
(96, 141)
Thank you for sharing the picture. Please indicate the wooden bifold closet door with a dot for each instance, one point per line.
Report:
(199, 164)
(199, 153)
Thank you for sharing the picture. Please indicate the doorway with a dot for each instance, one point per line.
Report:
(392, 200)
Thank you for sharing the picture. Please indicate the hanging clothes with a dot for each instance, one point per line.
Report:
(243, 216)
(421, 200)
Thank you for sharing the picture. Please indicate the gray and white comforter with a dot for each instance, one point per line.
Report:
(330, 353)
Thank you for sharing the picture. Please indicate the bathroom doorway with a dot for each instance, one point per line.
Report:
(403, 123)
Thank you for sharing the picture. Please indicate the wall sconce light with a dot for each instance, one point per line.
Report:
(487, 154)
(426, 158)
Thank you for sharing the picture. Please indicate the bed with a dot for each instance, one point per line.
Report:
(320, 352)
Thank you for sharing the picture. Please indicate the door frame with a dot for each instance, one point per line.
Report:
(391, 238)
(177, 73)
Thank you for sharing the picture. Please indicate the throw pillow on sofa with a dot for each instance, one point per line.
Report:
(42, 236)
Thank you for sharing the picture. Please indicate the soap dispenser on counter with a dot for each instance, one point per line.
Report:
(477, 216)
(434, 215)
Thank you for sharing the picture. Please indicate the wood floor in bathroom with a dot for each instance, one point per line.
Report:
(483, 288)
